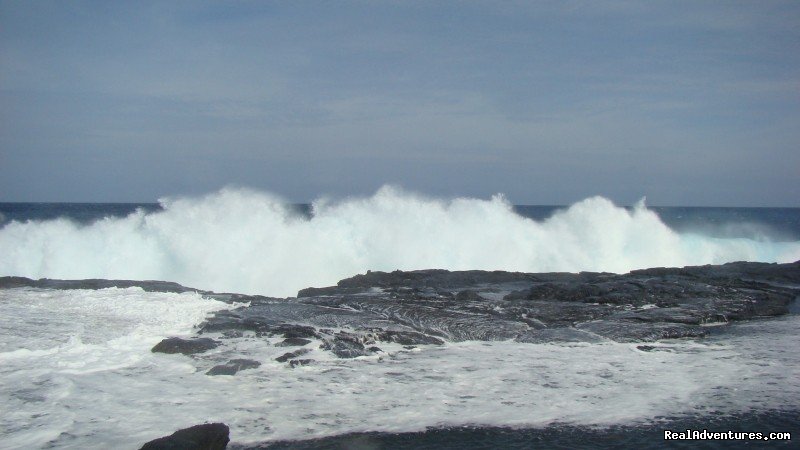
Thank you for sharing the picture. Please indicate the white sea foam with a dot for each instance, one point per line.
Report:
(250, 242)
(97, 385)
(64, 354)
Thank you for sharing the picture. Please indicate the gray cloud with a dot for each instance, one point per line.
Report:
(688, 103)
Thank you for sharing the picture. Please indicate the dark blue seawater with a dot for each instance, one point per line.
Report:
(79, 212)
(776, 224)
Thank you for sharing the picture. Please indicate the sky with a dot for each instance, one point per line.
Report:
(692, 103)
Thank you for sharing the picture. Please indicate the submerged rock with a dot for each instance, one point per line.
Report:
(300, 362)
(292, 331)
(233, 366)
(293, 342)
(629, 331)
(290, 355)
(407, 338)
(348, 345)
(185, 346)
(209, 436)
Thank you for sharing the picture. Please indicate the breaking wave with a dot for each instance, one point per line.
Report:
(240, 240)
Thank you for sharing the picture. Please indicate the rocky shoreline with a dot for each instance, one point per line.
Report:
(365, 314)
(429, 307)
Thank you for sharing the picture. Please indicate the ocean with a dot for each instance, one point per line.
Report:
(77, 370)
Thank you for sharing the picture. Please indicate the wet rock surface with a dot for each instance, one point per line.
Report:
(46, 283)
(293, 342)
(300, 362)
(291, 355)
(209, 436)
(364, 313)
(233, 366)
(185, 346)
(429, 307)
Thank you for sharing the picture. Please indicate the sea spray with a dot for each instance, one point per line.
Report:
(247, 241)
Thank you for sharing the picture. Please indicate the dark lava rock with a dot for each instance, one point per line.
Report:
(293, 342)
(210, 436)
(347, 345)
(233, 366)
(408, 338)
(420, 308)
(185, 346)
(237, 320)
(46, 283)
(429, 307)
(291, 355)
(263, 319)
(468, 295)
(432, 278)
(292, 331)
(771, 273)
(321, 292)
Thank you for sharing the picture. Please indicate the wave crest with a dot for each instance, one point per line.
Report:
(246, 241)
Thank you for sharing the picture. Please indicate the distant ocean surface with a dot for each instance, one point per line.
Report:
(76, 369)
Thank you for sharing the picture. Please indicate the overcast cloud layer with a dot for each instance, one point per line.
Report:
(688, 103)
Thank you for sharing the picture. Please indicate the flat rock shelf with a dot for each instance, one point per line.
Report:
(429, 307)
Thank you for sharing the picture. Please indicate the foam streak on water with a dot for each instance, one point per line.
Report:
(251, 242)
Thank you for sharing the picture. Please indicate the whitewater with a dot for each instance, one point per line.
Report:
(246, 241)
(77, 372)
(77, 368)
